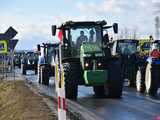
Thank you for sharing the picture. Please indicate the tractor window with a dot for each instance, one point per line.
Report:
(50, 54)
(127, 48)
(82, 35)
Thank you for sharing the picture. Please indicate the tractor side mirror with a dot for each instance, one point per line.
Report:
(115, 28)
(54, 27)
(38, 47)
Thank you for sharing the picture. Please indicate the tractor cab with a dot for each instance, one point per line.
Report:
(79, 35)
(125, 47)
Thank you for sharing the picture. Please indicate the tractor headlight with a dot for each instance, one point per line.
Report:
(86, 55)
(99, 64)
(86, 64)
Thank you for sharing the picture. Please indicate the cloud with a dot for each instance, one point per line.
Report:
(112, 6)
(31, 31)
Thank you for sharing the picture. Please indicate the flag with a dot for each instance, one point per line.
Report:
(60, 35)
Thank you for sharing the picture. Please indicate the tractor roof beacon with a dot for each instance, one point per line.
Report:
(87, 60)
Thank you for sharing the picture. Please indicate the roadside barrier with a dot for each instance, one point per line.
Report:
(60, 88)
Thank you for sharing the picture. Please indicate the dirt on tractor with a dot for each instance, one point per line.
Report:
(18, 102)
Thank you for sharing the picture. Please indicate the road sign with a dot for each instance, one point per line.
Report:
(9, 34)
(12, 44)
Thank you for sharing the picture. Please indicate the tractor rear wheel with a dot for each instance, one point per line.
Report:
(115, 81)
(71, 80)
(151, 79)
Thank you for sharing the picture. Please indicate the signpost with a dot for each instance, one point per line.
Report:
(60, 87)
(7, 46)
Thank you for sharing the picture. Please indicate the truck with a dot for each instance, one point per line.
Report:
(86, 58)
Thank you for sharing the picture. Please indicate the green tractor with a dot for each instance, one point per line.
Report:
(86, 58)
(46, 66)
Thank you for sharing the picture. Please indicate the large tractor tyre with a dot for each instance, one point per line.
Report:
(151, 79)
(99, 91)
(115, 81)
(23, 69)
(71, 77)
(44, 75)
(140, 79)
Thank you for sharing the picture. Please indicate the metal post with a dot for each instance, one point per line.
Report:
(61, 91)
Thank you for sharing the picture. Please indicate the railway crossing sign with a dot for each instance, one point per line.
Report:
(6, 44)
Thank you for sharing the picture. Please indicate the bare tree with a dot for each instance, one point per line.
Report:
(157, 19)
(134, 32)
(157, 26)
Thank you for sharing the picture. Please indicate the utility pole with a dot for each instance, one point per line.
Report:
(157, 26)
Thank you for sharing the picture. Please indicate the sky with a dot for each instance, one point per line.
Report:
(33, 18)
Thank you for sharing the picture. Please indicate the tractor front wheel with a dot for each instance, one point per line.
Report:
(151, 79)
(71, 80)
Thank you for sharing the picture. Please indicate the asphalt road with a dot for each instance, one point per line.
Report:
(132, 105)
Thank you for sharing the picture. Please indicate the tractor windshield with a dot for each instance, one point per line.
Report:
(127, 48)
(83, 34)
